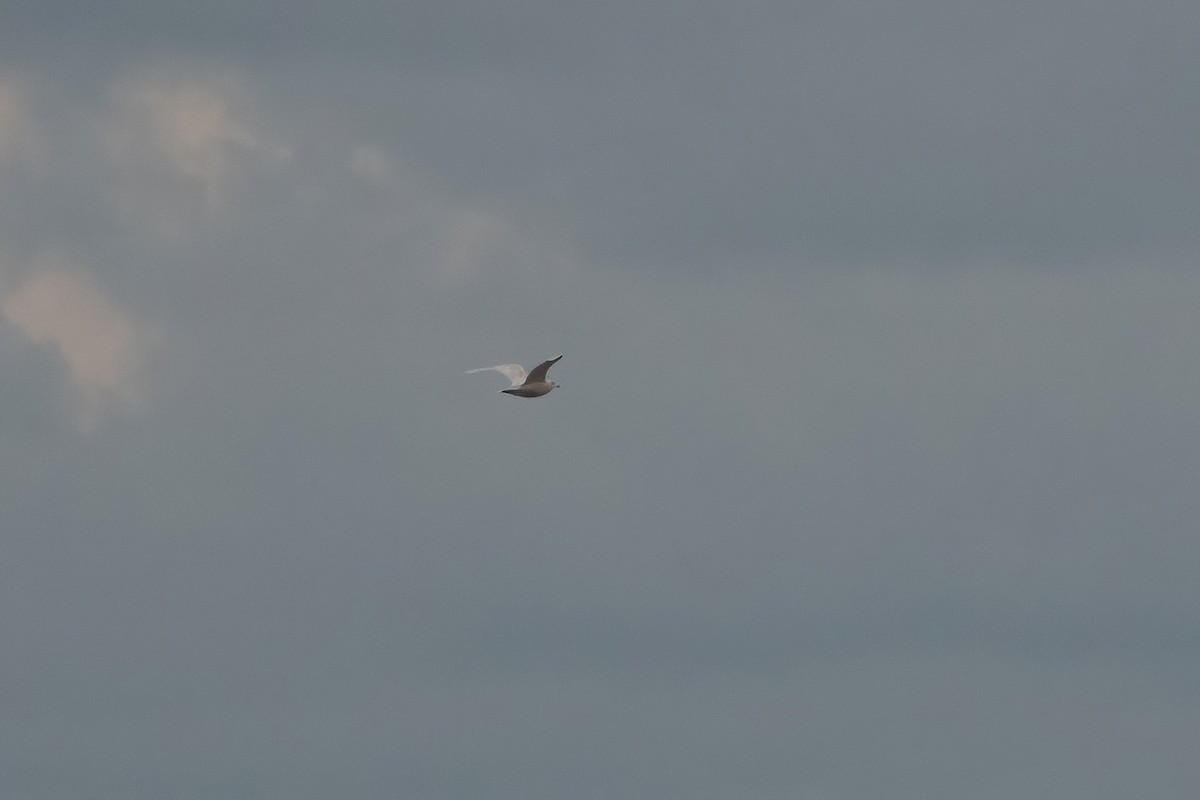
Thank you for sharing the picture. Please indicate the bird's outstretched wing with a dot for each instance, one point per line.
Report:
(514, 372)
(538, 373)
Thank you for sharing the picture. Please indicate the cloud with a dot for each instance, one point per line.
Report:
(371, 163)
(185, 146)
(471, 237)
(16, 132)
(104, 349)
(457, 240)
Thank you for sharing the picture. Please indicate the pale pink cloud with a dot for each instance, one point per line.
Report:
(104, 349)
(470, 239)
(184, 145)
(371, 163)
(17, 138)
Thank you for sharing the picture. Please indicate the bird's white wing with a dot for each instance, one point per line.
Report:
(539, 372)
(514, 372)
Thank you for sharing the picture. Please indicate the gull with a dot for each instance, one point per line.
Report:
(531, 384)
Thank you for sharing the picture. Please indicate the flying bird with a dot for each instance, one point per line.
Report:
(531, 384)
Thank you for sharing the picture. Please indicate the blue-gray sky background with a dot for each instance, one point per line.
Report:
(874, 468)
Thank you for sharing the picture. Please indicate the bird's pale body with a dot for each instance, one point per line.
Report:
(532, 389)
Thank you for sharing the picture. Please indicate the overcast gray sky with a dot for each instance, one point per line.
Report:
(874, 468)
